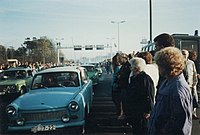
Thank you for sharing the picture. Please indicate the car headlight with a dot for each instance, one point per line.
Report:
(73, 106)
(11, 110)
(20, 121)
(65, 118)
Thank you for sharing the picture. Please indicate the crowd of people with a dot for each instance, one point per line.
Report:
(156, 92)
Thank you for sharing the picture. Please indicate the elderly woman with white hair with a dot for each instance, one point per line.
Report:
(140, 96)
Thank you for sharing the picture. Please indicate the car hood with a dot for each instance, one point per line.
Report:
(46, 98)
(11, 82)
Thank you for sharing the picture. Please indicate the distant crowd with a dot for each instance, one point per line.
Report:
(35, 66)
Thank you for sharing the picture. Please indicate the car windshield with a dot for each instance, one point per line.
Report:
(15, 74)
(89, 68)
(96, 65)
(55, 79)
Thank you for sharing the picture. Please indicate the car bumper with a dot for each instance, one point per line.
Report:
(58, 125)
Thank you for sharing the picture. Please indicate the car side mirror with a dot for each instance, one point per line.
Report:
(85, 81)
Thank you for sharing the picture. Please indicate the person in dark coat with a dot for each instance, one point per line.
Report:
(116, 93)
(123, 81)
(140, 96)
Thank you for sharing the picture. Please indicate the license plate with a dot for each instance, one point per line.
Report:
(40, 127)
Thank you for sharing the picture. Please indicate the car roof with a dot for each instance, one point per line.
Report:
(17, 68)
(88, 65)
(61, 69)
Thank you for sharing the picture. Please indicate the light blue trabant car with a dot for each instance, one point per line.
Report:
(58, 97)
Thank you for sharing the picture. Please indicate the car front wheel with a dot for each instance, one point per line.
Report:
(3, 119)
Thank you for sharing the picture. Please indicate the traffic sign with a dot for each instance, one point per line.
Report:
(100, 47)
(77, 47)
(89, 47)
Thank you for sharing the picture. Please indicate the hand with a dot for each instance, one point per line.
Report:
(146, 115)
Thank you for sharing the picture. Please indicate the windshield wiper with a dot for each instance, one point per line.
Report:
(62, 85)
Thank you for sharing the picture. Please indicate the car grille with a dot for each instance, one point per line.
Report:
(8, 88)
(3, 88)
(40, 116)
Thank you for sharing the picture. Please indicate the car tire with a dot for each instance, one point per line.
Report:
(78, 130)
(3, 119)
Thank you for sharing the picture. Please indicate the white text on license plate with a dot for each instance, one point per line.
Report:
(40, 127)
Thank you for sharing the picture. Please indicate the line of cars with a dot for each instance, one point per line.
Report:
(50, 99)
(93, 73)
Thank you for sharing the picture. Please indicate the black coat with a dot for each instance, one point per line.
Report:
(140, 95)
(124, 75)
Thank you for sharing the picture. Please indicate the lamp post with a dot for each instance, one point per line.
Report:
(118, 30)
(24, 52)
(150, 19)
(58, 47)
(110, 45)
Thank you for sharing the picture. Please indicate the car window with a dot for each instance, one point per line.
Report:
(15, 74)
(57, 79)
(21, 74)
(89, 68)
(30, 73)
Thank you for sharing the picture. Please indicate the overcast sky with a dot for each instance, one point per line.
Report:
(82, 22)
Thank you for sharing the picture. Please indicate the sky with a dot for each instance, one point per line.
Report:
(86, 22)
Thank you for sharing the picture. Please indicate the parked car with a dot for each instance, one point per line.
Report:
(92, 73)
(58, 97)
(15, 81)
(98, 67)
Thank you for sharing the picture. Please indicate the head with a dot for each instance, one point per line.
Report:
(123, 58)
(116, 60)
(130, 55)
(147, 56)
(50, 80)
(170, 62)
(164, 40)
(192, 55)
(137, 65)
(73, 76)
(185, 54)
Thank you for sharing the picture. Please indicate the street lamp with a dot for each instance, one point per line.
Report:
(24, 52)
(118, 30)
(110, 46)
(150, 19)
(58, 47)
